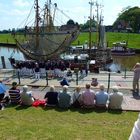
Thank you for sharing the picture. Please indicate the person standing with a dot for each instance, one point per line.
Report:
(136, 77)
(115, 99)
(37, 71)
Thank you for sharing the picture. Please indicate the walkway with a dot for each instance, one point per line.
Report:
(39, 88)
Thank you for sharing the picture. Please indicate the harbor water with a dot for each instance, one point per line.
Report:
(120, 62)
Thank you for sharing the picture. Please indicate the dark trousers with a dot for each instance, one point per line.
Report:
(1, 96)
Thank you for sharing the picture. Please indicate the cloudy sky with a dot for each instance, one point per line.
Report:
(14, 12)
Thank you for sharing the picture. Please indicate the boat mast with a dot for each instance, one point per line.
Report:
(37, 24)
(97, 30)
(90, 28)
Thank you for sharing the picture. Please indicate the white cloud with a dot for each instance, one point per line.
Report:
(21, 3)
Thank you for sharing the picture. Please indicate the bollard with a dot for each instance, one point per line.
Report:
(46, 78)
(76, 70)
(19, 77)
(3, 62)
(77, 78)
(125, 73)
(108, 82)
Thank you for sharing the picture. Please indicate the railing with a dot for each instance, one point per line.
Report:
(123, 79)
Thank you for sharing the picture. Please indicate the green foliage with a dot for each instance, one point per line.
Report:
(131, 16)
(87, 24)
(24, 123)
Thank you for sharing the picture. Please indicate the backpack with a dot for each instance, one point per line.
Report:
(76, 104)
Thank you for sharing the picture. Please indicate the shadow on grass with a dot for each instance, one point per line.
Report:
(82, 110)
(21, 107)
(115, 111)
(45, 108)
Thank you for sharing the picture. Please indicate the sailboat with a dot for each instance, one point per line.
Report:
(96, 55)
(44, 40)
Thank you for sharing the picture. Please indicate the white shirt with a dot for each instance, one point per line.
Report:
(115, 100)
(135, 134)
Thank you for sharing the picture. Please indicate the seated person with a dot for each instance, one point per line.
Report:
(14, 94)
(51, 97)
(64, 98)
(115, 99)
(2, 91)
(26, 96)
(76, 97)
(64, 82)
(101, 97)
(87, 97)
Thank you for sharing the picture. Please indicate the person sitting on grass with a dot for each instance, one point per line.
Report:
(51, 97)
(2, 91)
(14, 94)
(26, 96)
(76, 97)
(115, 99)
(64, 98)
(87, 97)
(101, 97)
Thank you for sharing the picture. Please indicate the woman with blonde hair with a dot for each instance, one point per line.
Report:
(76, 97)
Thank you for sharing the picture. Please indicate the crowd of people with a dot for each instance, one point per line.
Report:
(53, 68)
(85, 98)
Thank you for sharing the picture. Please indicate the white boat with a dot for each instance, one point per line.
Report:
(121, 49)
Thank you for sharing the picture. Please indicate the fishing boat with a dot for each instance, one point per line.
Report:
(121, 49)
(42, 40)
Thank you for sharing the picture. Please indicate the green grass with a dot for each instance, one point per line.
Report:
(6, 38)
(21, 123)
(132, 38)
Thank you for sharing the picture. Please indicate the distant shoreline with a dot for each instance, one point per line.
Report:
(8, 44)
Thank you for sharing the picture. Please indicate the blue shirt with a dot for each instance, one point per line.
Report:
(64, 100)
(101, 97)
(2, 88)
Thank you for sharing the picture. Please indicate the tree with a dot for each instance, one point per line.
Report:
(130, 18)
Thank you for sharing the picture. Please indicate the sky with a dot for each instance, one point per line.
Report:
(13, 13)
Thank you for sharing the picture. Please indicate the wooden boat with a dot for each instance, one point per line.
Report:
(99, 52)
(121, 49)
(45, 40)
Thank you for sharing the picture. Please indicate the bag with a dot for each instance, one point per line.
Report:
(76, 104)
(37, 103)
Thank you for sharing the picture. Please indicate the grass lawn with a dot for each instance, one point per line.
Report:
(132, 38)
(21, 123)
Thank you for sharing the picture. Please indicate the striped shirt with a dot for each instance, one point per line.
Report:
(14, 96)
